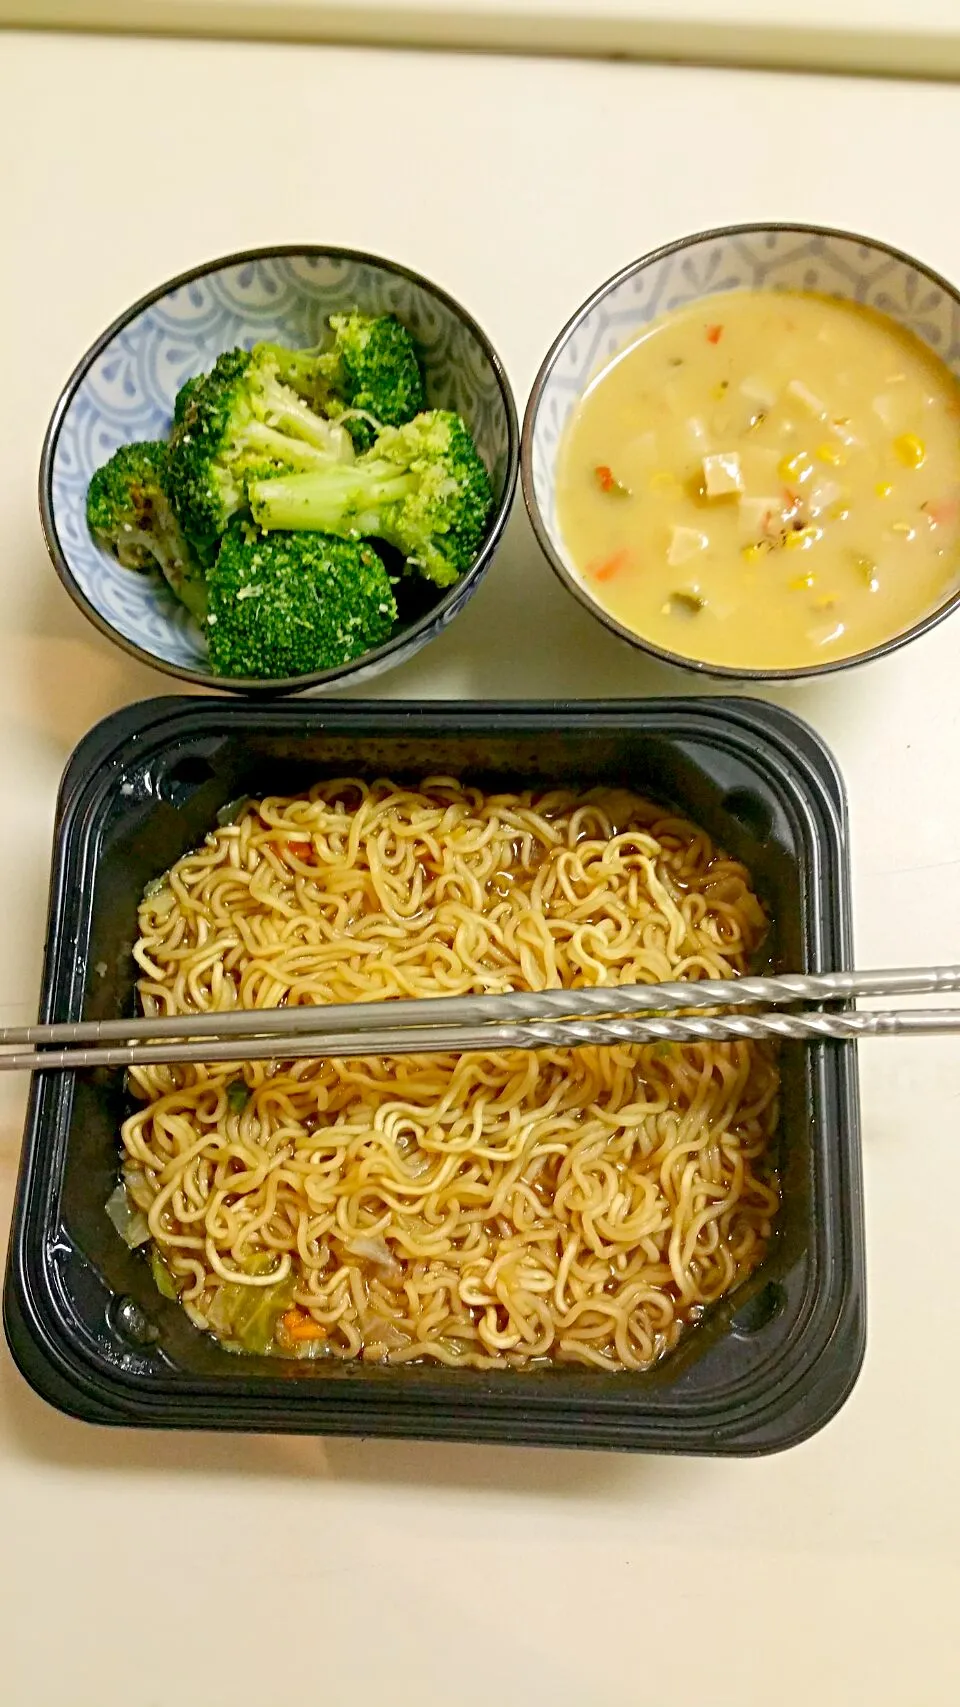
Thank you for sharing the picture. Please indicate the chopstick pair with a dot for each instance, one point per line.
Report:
(604, 1015)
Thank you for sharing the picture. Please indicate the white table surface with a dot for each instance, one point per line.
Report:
(173, 1571)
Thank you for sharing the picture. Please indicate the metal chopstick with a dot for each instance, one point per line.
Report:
(514, 1006)
(557, 1034)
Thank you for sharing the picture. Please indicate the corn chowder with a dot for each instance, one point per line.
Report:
(766, 480)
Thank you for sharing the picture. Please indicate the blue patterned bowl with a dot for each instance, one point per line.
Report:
(735, 257)
(123, 390)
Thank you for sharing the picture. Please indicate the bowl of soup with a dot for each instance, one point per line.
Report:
(742, 453)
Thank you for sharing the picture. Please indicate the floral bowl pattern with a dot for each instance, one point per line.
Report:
(124, 388)
(767, 257)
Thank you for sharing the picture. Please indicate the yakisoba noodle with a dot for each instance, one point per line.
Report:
(491, 1209)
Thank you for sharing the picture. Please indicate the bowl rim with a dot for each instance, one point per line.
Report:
(341, 673)
(679, 660)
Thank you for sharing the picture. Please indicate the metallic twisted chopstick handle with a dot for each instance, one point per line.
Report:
(561, 1034)
(514, 1006)
(727, 1028)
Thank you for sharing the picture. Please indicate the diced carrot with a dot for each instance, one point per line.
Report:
(298, 1325)
(942, 511)
(610, 566)
(303, 850)
(714, 334)
(608, 482)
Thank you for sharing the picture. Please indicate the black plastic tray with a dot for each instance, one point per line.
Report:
(85, 1324)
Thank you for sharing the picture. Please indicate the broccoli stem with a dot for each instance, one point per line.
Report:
(288, 415)
(341, 499)
(275, 443)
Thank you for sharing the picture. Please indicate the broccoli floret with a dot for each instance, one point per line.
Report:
(372, 367)
(285, 604)
(129, 513)
(422, 488)
(183, 397)
(235, 422)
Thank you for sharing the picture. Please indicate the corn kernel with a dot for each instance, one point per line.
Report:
(867, 571)
(911, 451)
(905, 529)
(801, 538)
(838, 512)
(802, 582)
(752, 553)
(826, 603)
(883, 489)
(835, 455)
(663, 481)
(794, 467)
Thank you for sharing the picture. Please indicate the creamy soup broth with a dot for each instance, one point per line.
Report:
(766, 480)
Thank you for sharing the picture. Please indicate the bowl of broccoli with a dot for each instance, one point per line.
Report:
(286, 469)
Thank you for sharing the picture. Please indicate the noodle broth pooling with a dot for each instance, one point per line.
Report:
(485, 1210)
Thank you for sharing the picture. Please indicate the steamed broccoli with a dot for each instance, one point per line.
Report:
(372, 368)
(129, 513)
(184, 395)
(422, 488)
(291, 603)
(233, 423)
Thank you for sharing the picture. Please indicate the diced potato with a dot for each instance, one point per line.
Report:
(759, 517)
(886, 410)
(758, 391)
(821, 494)
(697, 435)
(721, 475)
(685, 543)
(810, 401)
(675, 394)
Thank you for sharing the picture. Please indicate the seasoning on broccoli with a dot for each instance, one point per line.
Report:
(129, 513)
(370, 374)
(233, 423)
(287, 604)
(422, 488)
